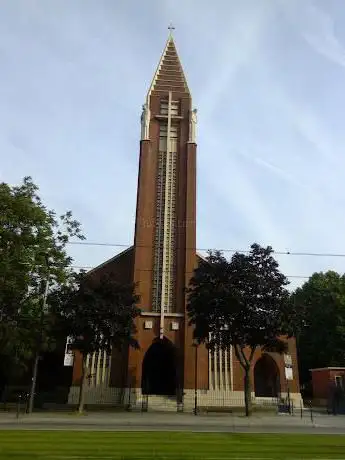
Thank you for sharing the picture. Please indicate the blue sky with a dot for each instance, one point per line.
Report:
(267, 77)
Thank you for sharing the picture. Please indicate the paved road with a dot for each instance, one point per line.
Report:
(127, 421)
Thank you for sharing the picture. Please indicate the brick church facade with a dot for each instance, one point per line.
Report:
(161, 261)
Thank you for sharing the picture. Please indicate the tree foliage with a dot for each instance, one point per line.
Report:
(321, 341)
(243, 302)
(30, 236)
(97, 315)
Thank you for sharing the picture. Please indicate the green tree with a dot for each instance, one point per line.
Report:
(32, 251)
(243, 303)
(97, 315)
(321, 341)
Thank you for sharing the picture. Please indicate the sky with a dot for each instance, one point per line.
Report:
(267, 78)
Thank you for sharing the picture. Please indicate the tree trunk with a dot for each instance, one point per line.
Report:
(247, 392)
(246, 364)
(33, 384)
(82, 386)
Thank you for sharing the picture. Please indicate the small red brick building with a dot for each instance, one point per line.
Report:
(325, 381)
(161, 263)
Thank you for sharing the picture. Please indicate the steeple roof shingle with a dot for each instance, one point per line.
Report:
(169, 75)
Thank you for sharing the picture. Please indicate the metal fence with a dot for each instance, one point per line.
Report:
(189, 401)
(202, 402)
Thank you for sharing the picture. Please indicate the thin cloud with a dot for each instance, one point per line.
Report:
(318, 29)
(288, 177)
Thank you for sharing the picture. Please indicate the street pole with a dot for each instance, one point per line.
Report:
(196, 380)
(38, 349)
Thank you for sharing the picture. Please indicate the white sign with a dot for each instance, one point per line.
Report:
(69, 358)
(288, 373)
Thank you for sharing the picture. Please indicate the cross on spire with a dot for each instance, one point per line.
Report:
(171, 28)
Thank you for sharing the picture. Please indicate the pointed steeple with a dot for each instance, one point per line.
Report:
(169, 75)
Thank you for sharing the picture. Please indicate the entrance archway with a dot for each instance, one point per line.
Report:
(266, 377)
(159, 371)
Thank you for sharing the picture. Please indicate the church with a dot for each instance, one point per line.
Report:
(168, 370)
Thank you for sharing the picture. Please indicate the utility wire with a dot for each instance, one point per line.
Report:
(287, 253)
(90, 267)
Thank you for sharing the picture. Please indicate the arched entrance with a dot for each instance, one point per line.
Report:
(266, 377)
(159, 371)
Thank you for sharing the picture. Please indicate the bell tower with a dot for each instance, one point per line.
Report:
(165, 228)
(164, 241)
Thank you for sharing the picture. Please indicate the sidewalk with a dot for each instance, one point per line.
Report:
(178, 421)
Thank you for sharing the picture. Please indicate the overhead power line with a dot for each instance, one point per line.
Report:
(90, 267)
(285, 253)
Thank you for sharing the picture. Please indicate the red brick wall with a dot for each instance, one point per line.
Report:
(146, 338)
(185, 237)
(146, 204)
(119, 267)
(121, 270)
(77, 367)
(279, 360)
(145, 220)
(188, 240)
(322, 380)
(127, 370)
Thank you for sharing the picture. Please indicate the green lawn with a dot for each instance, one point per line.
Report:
(63, 445)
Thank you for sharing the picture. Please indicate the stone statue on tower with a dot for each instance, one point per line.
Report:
(192, 126)
(145, 122)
